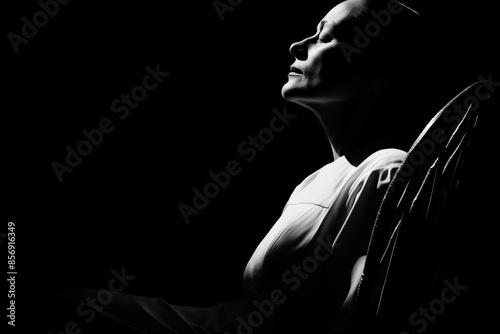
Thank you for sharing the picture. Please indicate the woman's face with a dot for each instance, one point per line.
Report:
(321, 72)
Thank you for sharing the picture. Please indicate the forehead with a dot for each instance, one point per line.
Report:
(344, 12)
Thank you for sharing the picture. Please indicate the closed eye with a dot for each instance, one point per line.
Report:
(325, 38)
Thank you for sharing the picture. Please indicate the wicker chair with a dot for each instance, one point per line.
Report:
(402, 268)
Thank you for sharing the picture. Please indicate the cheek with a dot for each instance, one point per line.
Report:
(335, 69)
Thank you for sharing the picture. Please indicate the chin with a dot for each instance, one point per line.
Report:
(285, 92)
(290, 92)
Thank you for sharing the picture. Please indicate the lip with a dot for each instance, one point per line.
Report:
(295, 71)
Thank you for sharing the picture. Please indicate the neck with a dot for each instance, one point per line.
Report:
(352, 125)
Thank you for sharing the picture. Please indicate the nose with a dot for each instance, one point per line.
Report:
(299, 49)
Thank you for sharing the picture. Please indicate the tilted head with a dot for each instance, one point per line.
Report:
(357, 43)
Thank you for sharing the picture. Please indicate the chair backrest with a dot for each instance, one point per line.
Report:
(402, 261)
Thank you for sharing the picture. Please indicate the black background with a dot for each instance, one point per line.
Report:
(119, 207)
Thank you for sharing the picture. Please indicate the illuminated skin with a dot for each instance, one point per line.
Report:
(337, 92)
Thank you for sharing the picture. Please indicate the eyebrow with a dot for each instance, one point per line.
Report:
(321, 25)
(338, 27)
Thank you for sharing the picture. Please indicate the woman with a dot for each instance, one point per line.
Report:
(303, 275)
(353, 95)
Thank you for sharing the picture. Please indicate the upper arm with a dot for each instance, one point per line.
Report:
(350, 242)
